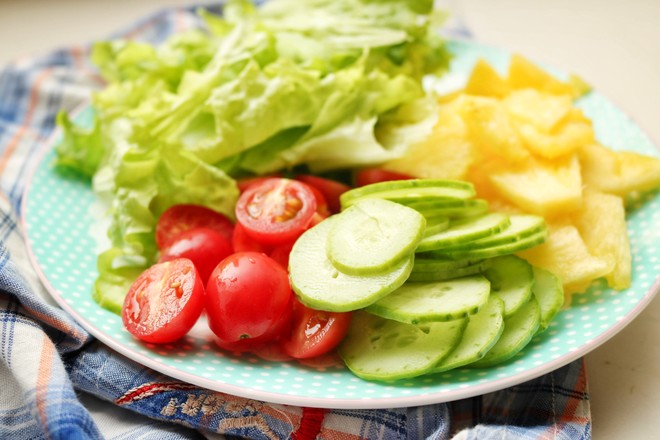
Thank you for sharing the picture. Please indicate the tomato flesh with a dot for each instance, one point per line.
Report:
(164, 302)
(180, 218)
(315, 332)
(247, 295)
(276, 210)
(203, 246)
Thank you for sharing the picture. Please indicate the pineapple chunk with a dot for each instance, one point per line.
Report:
(446, 154)
(524, 74)
(542, 110)
(567, 138)
(546, 188)
(618, 172)
(565, 254)
(491, 130)
(602, 224)
(485, 81)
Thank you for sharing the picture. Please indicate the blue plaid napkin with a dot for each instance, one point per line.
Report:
(58, 382)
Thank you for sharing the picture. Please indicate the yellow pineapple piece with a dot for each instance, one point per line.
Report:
(565, 139)
(542, 110)
(486, 81)
(546, 188)
(524, 74)
(602, 225)
(565, 254)
(490, 129)
(446, 154)
(618, 172)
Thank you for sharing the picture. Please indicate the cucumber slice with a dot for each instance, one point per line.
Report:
(417, 303)
(521, 226)
(549, 293)
(435, 224)
(450, 207)
(406, 191)
(463, 231)
(373, 236)
(494, 251)
(380, 349)
(448, 274)
(319, 285)
(518, 331)
(482, 332)
(511, 279)
(425, 263)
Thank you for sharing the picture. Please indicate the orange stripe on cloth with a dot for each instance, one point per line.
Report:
(43, 378)
(34, 100)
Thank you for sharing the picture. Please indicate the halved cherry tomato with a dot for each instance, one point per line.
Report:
(276, 210)
(203, 246)
(367, 176)
(164, 302)
(314, 332)
(245, 182)
(331, 189)
(247, 295)
(179, 218)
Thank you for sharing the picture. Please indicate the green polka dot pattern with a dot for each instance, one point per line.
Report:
(62, 236)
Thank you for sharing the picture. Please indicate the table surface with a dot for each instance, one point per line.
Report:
(613, 45)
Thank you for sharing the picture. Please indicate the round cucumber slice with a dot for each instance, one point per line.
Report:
(497, 250)
(435, 224)
(521, 226)
(549, 293)
(406, 191)
(417, 303)
(452, 208)
(518, 331)
(373, 236)
(448, 274)
(511, 279)
(320, 285)
(463, 231)
(482, 332)
(380, 349)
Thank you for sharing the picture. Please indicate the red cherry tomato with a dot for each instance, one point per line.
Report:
(203, 246)
(281, 254)
(265, 342)
(367, 176)
(242, 242)
(164, 302)
(331, 189)
(179, 218)
(314, 332)
(245, 182)
(246, 296)
(276, 210)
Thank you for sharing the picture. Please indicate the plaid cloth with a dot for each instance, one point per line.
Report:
(59, 383)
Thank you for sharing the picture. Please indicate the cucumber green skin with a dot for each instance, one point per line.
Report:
(483, 331)
(417, 303)
(511, 234)
(435, 224)
(319, 285)
(428, 263)
(405, 191)
(465, 231)
(511, 279)
(354, 251)
(451, 208)
(494, 251)
(519, 329)
(441, 275)
(381, 349)
(549, 293)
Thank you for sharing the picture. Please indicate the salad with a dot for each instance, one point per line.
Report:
(245, 165)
